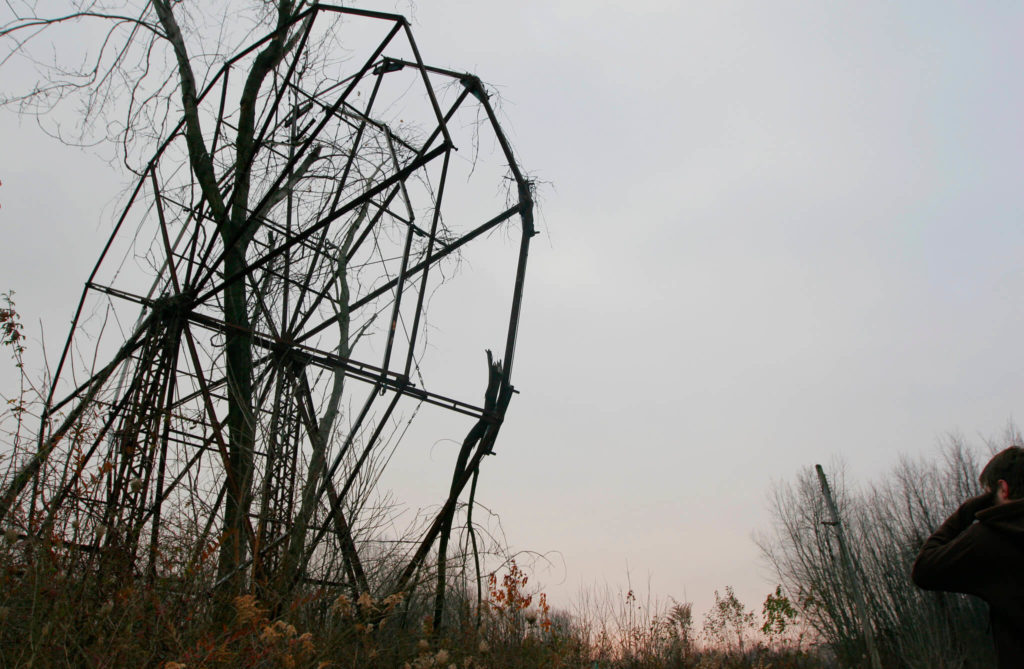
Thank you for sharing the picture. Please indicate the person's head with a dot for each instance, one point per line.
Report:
(1004, 474)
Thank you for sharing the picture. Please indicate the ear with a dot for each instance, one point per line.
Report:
(1002, 490)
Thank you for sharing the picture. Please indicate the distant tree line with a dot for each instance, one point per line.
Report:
(885, 523)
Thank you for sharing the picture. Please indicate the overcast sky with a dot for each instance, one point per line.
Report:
(773, 233)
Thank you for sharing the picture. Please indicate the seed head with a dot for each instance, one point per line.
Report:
(343, 606)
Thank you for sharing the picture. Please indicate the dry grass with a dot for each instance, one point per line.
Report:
(59, 610)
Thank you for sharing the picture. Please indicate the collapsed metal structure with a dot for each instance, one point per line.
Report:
(346, 240)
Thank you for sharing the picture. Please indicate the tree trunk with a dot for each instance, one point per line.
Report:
(240, 423)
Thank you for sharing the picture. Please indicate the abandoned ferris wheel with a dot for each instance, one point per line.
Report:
(252, 337)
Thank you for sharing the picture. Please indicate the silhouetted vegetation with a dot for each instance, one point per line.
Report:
(886, 523)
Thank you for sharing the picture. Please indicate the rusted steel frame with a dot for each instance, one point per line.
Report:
(435, 70)
(273, 449)
(390, 137)
(353, 368)
(362, 12)
(292, 323)
(211, 268)
(264, 222)
(181, 475)
(277, 376)
(426, 84)
(193, 243)
(200, 545)
(267, 377)
(502, 140)
(124, 214)
(158, 495)
(122, 294)
(382, 208)
(448, 249)
(517, 301)
(353, 431)
(222, 448)
(257, 291)
(437, 131)
(486, 444)
(264, 370)
(320, 493)
(138, 186)
(336, 504)
(473, 439)
(426, 268)
(289, 213)
(179, 437)
(138, 427)
(226, 71)
(341, 526)
(47, 409)
(196, 393)
(351, 111)
(396, 305)
(343, 181)
(318, 250)
(90, 389)
(526, 215)
(401, 385)
(322, 223)
(281, 475)
(297, 284)
(115, 412)
(163, 230)
(200, 217)
(106, 248)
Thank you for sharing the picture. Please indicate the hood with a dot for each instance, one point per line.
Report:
(1006, 519)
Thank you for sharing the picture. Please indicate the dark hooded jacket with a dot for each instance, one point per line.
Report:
(985, 559)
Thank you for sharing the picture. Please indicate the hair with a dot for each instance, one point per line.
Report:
(1007, 465)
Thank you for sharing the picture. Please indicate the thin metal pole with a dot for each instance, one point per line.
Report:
(851, 575)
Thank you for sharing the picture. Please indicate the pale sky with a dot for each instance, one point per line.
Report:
(773, 234)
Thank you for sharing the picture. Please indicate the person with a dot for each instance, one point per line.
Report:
(986, 558)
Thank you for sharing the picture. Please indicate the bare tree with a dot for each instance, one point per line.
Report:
(886, 523)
